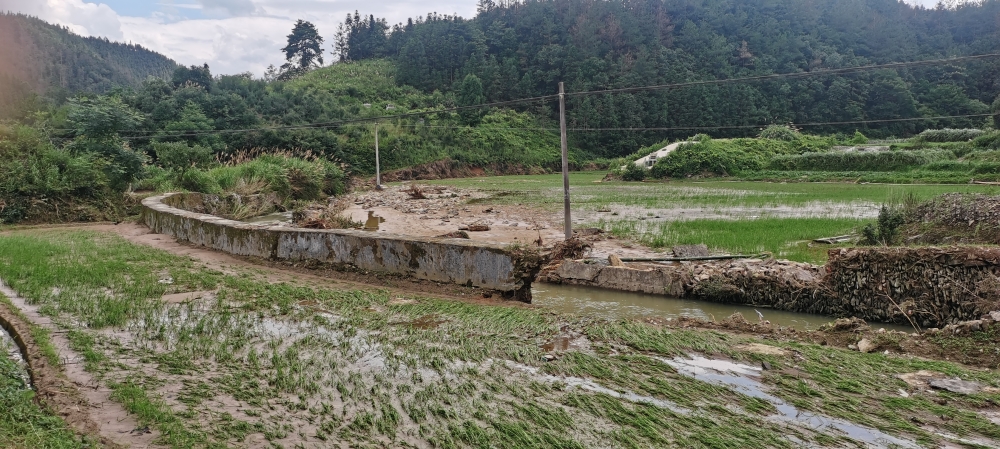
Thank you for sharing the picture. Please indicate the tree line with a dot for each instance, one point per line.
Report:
(525, 48)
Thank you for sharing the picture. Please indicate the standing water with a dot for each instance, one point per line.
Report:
(13, 363)
(614, 304)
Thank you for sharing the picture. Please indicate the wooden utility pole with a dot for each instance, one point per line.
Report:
(378, 174)
(565, 160)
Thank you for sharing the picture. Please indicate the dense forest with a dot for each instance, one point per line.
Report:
(524, 48)
(116, 117)
(40, 58)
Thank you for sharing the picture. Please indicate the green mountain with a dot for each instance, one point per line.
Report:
(524, 48)
(38, 57)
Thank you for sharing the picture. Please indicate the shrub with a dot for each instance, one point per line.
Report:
(780, 132)
(886, 227)
(199, 181)
(858, 139)
(859, 160)
(948, 135)
(633, 172)
(728, 157)
(180, 156)
(987, 141)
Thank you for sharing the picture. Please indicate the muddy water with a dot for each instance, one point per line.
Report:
(613, 304)
(10, 350)
(746, 379)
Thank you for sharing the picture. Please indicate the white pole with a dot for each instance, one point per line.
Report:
(378, 174)
(565, 160)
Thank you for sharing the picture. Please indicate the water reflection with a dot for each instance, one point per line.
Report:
(613, 304)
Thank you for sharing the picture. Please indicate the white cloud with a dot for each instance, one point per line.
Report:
(87, 19)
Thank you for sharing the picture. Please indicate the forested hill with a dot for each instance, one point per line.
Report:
(524, 48)
(37, 56)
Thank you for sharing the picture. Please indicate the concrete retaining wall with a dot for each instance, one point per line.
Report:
(457, 261)
(932, 287)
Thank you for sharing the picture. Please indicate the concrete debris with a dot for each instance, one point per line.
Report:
(956, 385)
(700, 250)
(865, 345)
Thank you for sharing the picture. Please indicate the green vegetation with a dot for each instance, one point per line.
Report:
(44, 57)
(23, 423)
(524, 49)
(256, 362)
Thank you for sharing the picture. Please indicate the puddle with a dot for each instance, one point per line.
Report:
(10, 350)
(177, 298)
(427, 322)
(745, 379)
(567, 342)
(594, 387)
(615, 305)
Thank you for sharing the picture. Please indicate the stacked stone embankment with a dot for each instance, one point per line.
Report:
(930, 286)
(446, 260)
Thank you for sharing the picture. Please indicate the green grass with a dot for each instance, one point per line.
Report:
(23, 423)
(295, 363)
(786, 238)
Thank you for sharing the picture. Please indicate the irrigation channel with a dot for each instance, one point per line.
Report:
(614, 304)
(9, 350)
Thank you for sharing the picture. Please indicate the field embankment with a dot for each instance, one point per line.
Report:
(206, 358)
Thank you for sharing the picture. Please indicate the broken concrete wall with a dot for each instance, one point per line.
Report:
(455, 261)
(932, 286)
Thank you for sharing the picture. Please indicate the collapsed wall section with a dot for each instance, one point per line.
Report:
(932, 286)
(456, 261)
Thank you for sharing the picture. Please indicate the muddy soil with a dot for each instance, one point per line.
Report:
(67, 388)
(446, 210)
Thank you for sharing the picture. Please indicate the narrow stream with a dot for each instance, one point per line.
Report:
(613, 304)
(10, 352)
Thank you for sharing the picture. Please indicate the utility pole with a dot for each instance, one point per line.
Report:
(565, 160)
(378, 174)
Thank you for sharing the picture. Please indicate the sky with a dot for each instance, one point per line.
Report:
(232, 36)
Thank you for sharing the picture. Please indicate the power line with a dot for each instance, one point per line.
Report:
(852, 122)
(774, 76)
(543, 98)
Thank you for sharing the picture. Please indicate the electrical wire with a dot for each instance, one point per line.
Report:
(544, 98)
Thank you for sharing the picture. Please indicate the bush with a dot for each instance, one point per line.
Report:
(780, 132)
(987, 141)
(633, 172)
(858, 139)
(289, 177)
(728, 157)
(948, 135)
(859, 160)
(199, 181)
(885, 229)
(180, 156)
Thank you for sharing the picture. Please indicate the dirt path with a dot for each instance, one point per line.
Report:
(80, 399)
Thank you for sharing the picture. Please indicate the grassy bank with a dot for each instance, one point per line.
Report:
(732, 216)
(244, 361)
(23, 423)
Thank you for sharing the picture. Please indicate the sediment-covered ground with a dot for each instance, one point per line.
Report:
(214, 351)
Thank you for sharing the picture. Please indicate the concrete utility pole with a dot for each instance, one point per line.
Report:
(565, 160)
(378, 174)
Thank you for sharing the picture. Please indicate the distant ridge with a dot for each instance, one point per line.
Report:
(36, 56)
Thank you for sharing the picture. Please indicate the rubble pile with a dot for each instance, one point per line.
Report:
(932, 286)
(955, 218)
